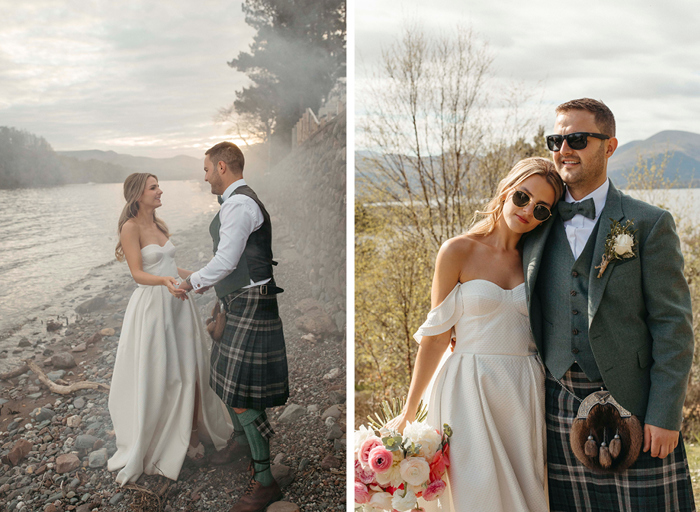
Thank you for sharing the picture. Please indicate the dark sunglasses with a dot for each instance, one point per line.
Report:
(578, 140)
(521, 199)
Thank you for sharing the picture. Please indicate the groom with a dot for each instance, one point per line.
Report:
(626, 327)
(249, 364)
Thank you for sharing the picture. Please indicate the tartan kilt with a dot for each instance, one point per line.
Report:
(650, 484)
(249, 363)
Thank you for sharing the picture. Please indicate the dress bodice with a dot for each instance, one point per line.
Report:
(484, 319)
(159, 261)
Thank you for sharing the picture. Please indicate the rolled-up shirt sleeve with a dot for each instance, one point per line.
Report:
(239, 216)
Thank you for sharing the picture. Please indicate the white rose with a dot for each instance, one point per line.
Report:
(381, 500)
(415, 470)
(391, 477)
(402, 503)
(423, 434)
(623, 244)
(361, 435)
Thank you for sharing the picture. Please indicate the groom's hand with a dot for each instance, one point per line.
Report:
(660, 441)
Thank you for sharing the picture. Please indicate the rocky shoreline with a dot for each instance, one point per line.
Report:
(54, 447)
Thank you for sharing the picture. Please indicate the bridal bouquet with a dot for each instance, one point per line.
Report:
(392, 471)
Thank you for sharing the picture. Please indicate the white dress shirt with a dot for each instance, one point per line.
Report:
(239, 216)
(578, 229)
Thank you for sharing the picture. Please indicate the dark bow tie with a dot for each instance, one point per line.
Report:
(220, 199)
(568, 210)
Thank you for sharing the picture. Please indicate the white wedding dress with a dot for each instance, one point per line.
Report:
(162, 353)
(490, 390)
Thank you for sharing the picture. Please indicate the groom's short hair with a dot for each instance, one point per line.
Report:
(229, 153)
(603, 116)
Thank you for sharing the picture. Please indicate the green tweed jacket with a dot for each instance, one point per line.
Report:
(639, 312)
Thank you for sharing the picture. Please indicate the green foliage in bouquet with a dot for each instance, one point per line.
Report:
(391, 410)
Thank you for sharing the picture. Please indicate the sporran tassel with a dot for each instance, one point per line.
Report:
(590, 448)
(604, 457)
(615, 446)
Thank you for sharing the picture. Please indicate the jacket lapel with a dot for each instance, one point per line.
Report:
(596, 286)
(532, 255)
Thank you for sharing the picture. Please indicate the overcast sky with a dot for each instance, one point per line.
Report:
(641, 57)
(137, 77)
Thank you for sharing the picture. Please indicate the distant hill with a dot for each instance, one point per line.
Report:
(175, 168)
(27, 160)
(683, 149)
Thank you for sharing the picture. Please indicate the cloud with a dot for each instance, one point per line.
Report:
(82, 75)
(638, 57)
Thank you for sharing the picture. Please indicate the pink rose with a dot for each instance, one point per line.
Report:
(364, 475)
(380, 459)
(438, 465)
(370, 442)
(434, 490)
(361, 493)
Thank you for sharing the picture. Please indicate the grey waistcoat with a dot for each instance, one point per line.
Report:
(563, 291)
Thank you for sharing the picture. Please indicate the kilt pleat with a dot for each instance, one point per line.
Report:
(650, 484)
(249, 363)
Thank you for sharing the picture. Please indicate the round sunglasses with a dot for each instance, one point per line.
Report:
(576, 141)
(522, 199)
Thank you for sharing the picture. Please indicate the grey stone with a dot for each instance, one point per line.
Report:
(55, 375)
(337, 397)
(98, 458)
(79, 402)
(116, 498)
(335, 432)
(303, 463)
(42, 414)
(283, 474)
(63, 360)
(332, 412)
(34, 396)
(89, 306)
(340, 445)
(329, 461)
(292, 413)
(85, 442)
(24, 342)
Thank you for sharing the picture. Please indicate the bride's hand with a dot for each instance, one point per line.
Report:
(172, 285)
(398, 424)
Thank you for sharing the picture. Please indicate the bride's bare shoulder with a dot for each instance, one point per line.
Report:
(460, 247)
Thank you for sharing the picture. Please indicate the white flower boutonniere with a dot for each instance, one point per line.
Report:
(619, 244)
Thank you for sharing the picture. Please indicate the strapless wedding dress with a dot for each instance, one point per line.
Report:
(163, 351)
(490, 390)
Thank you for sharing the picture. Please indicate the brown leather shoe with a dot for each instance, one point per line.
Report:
(257, 497)
(234, 451)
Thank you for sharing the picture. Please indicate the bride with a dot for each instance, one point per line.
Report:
(490, 389)
(160, 401)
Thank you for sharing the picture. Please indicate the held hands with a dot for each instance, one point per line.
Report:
(172, 285)
(660, 441)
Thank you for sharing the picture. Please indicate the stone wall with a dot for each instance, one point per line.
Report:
(309, 208)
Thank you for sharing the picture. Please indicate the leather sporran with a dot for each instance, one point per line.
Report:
(217, 322)
(605, 437)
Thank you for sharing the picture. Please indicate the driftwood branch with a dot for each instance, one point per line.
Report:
(64, 390)
(14, 373)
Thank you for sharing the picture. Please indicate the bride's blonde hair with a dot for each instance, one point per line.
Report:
(519, 173)
(134, 185)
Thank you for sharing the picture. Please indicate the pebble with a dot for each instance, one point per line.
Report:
(292, 413)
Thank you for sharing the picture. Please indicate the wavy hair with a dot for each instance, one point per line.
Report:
(134, 185)
(519, 173)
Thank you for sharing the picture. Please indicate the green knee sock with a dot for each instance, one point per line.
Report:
(238, 432)
(259, 447)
